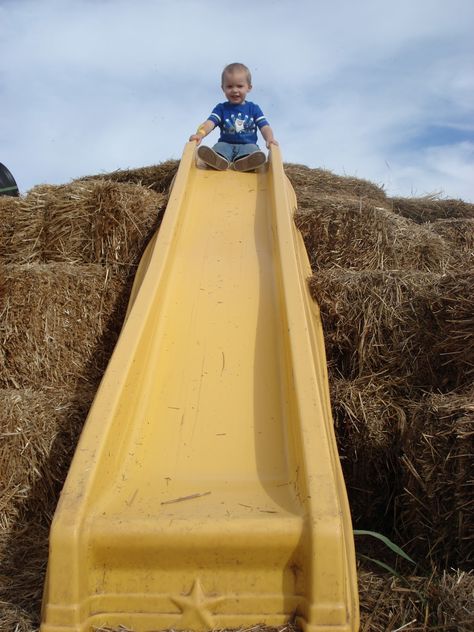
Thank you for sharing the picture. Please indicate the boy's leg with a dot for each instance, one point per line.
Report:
(224, 149)
(249, 158)
(215, 157)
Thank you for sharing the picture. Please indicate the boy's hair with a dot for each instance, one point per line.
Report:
(236, 67)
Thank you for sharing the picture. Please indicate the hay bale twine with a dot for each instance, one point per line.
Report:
(59, 322)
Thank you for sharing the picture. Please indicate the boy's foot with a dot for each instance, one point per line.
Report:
(211, 158)
(250, 162)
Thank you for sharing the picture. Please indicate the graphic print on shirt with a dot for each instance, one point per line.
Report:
(239, 124)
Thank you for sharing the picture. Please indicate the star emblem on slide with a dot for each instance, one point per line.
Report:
(195, 607)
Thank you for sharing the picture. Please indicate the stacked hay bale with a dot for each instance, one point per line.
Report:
(67, 260)
(394, 280)
(438, 602)
(392, 277)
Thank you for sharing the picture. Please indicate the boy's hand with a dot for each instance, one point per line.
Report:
(203, 130)
(267, 134)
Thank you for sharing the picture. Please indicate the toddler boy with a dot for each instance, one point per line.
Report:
(238, 121)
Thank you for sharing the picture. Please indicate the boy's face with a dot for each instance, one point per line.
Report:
(236, 86)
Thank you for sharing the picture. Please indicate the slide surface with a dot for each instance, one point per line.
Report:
(206, 489)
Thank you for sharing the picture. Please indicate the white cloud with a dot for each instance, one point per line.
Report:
(436, 170)
(91, 86)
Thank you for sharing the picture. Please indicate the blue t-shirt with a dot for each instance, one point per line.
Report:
(238, 122)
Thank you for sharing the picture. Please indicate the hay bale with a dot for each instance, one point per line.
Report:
(388, 335)
(39, 431)
(369, 412)
(436, 508)
(309, 183)
(82, 222)
(452, 304)
(97, 222)
(347, 234)
(16, 619)
(59, 322)
(9, 207)
(411, 326)
(156, 177)
(21, 224)
(407, 464)
(459, 234)
(370, 420)
(438, 602)
(430, 208)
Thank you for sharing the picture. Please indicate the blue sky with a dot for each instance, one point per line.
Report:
(373, 89)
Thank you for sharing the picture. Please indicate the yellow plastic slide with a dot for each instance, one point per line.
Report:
(206, 489)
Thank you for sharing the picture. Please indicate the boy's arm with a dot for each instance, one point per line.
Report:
(203, 130)
(267, 134)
